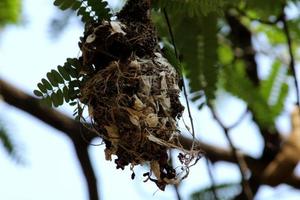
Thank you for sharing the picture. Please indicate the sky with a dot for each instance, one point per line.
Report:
(50, 169)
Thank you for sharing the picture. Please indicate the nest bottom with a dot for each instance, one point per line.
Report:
(134, 106)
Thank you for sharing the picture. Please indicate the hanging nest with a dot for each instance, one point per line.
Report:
(132, 95)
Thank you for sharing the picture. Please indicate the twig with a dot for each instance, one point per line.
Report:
(186, 98)
(176, 187)
(86, 166)
(171, 32)
(292, 59)
(213, 183)
(183, 83)
(240, 119)
(177, 192)
(240, 162)
(69, 127)
(266, 22)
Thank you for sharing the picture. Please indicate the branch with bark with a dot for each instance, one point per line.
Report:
(74, 131)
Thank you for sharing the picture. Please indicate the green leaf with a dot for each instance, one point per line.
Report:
(100, 8)
(63, 73)
(197, 43)
(74, 62)
(76, 5)
(193, 8)
(89, 10)
(6, 141)
(74, 84)
(210, 58)
(60, 97)
(225, 54)
(73, 103)
(74, 93)
(46, 101)
(55, 100)
(58, 78)
(267, 84)
(42, 88)
(275, 89)
(47, 84)
(58, 2)
(66, 4)
(237, 83)
(70, 70)
(52, 79)
(10, 12)
(279, 105)
(38, 93)
(224, 191)
(66, 94)
(85, 15)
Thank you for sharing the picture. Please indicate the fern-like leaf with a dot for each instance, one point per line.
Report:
(275, 89)
(61, 85)
(10, 12)
(89, 10)
(210, 65)
(224, 191)
(197, 42)
(7, 142)
(193, 8)
(237, 83)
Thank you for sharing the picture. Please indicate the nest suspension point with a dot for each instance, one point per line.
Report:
(132, 94)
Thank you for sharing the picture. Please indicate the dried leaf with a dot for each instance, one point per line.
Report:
(117, 27)
(138, 104)
(152, 120)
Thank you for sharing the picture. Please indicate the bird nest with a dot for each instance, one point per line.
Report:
(133, 101)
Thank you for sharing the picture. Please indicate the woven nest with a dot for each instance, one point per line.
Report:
(133, 100)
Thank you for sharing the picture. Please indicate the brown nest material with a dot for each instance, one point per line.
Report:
(133, 99)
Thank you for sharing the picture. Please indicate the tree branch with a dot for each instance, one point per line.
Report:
(81, 149)
(292, 59)
(239, 160)
(68, 126)
(74, 131)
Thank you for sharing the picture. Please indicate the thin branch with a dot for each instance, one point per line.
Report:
(241, 164)
(186, 99)
(240, 119)
(292, 59)
(183, 82)
(71, 128)
(175, 186)
(171, 33)
(177, 192)
(86, 166)
(213, 183)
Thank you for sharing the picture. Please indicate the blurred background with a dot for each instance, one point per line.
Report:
(35, 37)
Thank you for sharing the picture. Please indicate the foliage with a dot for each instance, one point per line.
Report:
(197, 47)
(62, 85)
(10, 12)
(203, 55)
(89, 10)
(274, 89)
(201, 38)
(7, 142)
(194, 7)
(224, 191)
